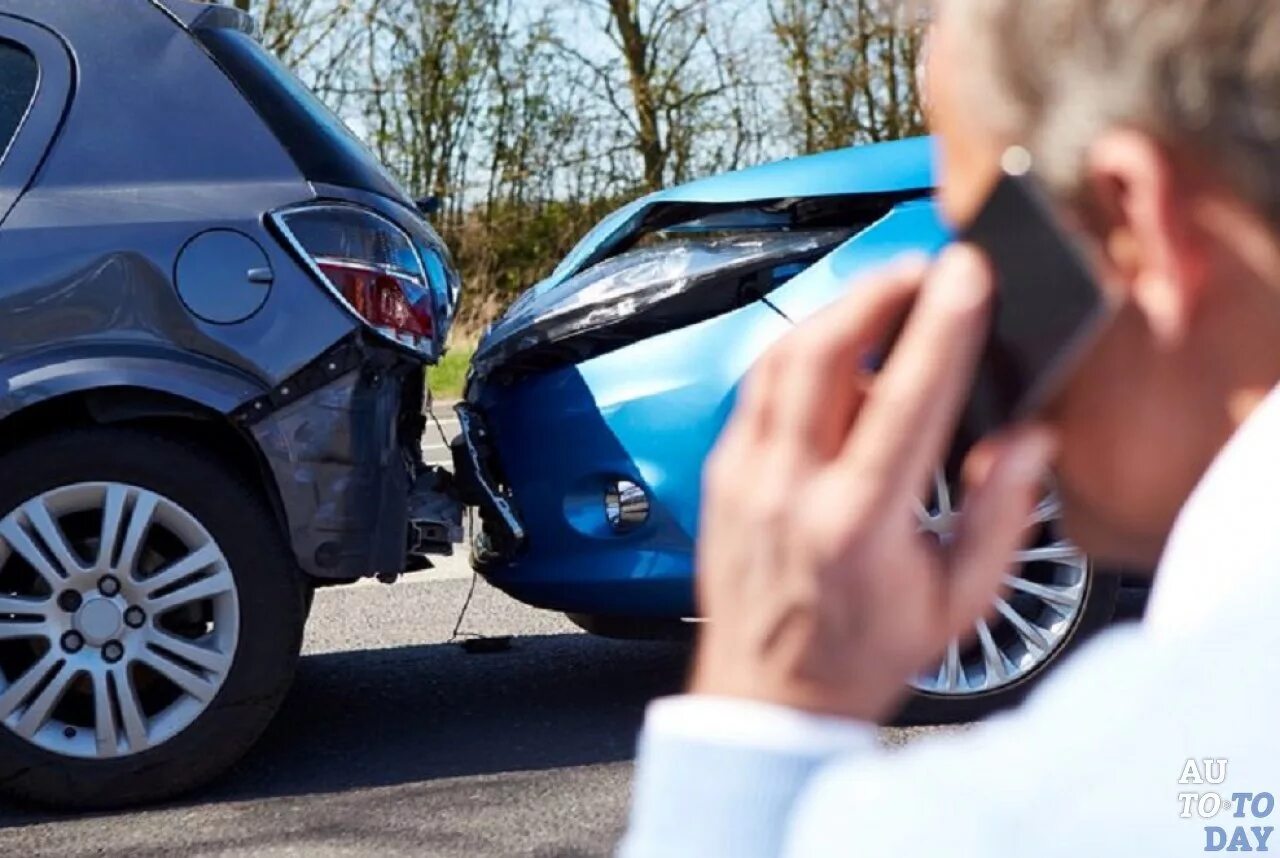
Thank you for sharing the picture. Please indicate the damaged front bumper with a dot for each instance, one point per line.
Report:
(342, 441)
(554, 446)
(479, 483)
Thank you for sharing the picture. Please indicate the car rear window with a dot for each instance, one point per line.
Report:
(322, 146)
(18, 77)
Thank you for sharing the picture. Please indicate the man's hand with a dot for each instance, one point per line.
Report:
(820, 591)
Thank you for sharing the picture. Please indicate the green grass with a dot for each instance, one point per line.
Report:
(447, 378)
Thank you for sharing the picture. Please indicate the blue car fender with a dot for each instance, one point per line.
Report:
(910, 228)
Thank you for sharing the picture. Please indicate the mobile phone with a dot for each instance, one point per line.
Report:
(1048, 310)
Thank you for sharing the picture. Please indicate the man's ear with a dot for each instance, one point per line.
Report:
(1139, 210)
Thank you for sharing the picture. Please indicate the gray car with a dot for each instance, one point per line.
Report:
(216, 313)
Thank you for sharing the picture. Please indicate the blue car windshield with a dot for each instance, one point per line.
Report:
(322, 146)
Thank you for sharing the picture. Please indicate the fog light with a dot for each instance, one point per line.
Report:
(626, 506)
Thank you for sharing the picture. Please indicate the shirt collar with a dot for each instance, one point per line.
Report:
(1224, 550)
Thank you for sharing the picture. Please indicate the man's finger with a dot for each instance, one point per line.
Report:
(910, 417)
(753, 412)
(998, 505)
(823, 381)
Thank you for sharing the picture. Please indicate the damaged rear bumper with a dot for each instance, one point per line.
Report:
(342, 441)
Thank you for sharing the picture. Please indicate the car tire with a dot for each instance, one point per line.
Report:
(233, 667)
(1097, 611)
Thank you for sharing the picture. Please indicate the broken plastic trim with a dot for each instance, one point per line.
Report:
(646, 292)
(342, 440)
(472, 460)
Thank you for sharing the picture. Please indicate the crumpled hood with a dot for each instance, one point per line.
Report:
(886, 168)
(749, 233)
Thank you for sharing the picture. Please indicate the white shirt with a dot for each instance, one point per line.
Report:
(1096, 763)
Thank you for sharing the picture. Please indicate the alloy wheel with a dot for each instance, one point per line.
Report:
(119, 620)
(1046, 595)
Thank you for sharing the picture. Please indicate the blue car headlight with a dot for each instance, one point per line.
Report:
(645, 292)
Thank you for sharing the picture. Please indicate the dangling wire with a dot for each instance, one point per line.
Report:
(471, 591)
(439, 427)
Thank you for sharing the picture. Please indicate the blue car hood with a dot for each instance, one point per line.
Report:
(887, 168)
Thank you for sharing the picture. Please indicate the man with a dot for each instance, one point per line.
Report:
(1157, 125)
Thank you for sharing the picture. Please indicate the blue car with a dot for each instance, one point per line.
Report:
(594, 401)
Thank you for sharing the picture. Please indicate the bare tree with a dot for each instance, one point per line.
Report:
(425, 63)
(314, 37)
(852, 70)
(657, 76)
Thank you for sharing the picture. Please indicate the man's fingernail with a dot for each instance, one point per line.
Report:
(962, 275)
(1033, 453)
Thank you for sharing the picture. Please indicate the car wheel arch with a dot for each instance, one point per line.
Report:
(158, 411)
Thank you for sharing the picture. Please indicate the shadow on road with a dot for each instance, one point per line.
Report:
(388, 717)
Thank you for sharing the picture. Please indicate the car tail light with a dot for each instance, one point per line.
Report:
(371, 266)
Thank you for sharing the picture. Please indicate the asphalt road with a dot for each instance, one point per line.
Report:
(396, 742)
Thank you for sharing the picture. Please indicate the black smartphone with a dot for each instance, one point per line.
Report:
(1049, 308)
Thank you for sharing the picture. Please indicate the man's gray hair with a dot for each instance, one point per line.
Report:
(1201, 76)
